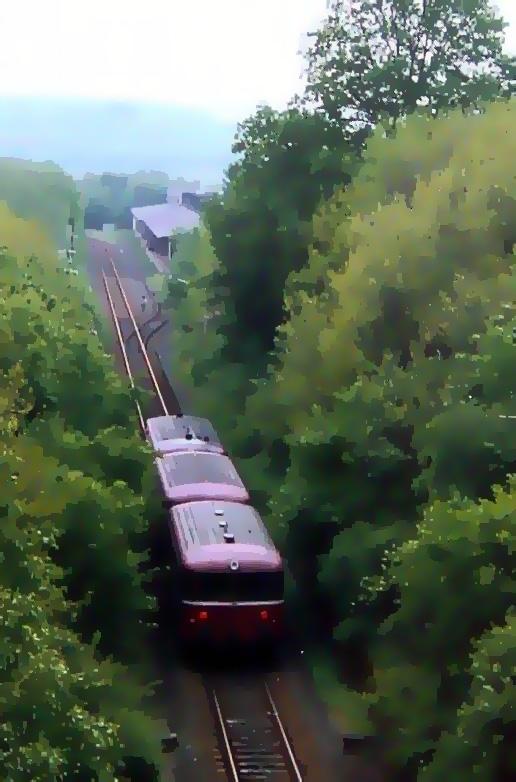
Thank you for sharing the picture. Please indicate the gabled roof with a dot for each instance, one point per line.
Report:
(164, 219)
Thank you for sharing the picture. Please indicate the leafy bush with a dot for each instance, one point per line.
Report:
(386, 392)
(40, 192)
(452, 581)
(72, 533)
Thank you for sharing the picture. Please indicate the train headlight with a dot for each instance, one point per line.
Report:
(233, 565)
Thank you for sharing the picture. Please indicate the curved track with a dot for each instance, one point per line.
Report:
(164, 400)
(252, 742)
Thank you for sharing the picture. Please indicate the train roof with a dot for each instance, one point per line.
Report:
(212, 535)
(169, 433)
(187, 476)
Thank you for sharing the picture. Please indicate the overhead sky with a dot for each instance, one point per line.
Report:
(223, 56)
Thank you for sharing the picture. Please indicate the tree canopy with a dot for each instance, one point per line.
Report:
(40, 192)
(393, 389)
(375, 60)
(382, 425)
(73, 531)
(290, 161)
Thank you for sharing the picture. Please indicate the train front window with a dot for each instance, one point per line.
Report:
(233, 587)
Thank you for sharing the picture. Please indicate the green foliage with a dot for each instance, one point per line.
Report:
(481, 747)
(421, 656)
(384, 309)
(46, 320)
(444, 268)
(374, 60)
(387, 391)
(64, 710)
(262, 228)
(187, 302)
(40, 192)
(72, 532)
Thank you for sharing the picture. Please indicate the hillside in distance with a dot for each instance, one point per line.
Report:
(96, 136)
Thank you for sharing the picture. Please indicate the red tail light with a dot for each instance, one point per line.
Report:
(264, 615)
(203, 615)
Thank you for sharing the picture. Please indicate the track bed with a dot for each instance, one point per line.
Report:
(253, 743)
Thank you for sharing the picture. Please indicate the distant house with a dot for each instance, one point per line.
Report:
(177, 188)
(196, 201)
(158, 223)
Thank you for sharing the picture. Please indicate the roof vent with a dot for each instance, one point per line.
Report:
(219, 512)
(188, 435)
(223, 523)
(233, 565)
(229, 537)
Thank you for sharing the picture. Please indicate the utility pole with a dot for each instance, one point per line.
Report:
(71, 251)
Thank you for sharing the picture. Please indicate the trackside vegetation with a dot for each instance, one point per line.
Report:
(73, 606)
(380, 441)
(352, 338)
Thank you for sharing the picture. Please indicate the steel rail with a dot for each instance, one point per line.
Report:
(227, 745)
(142, 346)
(231, 755)
(286, 742)
(122, 347)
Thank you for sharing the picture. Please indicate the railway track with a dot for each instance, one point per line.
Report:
(165, 401)
(251, 741)
(253, 744)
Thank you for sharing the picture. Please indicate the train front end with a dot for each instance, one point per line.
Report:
(231, 580)
(235, 606)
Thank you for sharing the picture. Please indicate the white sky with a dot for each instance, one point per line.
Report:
(223, 56)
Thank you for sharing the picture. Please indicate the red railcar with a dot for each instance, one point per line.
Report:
(230, 576)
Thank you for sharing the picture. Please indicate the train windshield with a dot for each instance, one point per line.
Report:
(233, 587)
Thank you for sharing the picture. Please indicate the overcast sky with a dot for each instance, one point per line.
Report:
(223, 56)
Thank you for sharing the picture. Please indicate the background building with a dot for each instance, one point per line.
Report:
(157, 224)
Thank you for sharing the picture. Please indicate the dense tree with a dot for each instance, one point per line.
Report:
(375, 60)
(40, 192)
(389, 385)
(424, 257)
(482, 747)
(430, 696)
(50, 322)
(72, 530)
(187, 298)
(386, 321)
(65, 711)
(261, 229)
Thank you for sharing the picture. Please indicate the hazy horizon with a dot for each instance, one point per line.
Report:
(120, 136)
(162, 87)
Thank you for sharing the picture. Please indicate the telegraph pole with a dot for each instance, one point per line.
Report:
(71, 251)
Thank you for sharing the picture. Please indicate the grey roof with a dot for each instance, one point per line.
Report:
(169, 433)
(200, 529)
(203, 520)
(164, 219)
